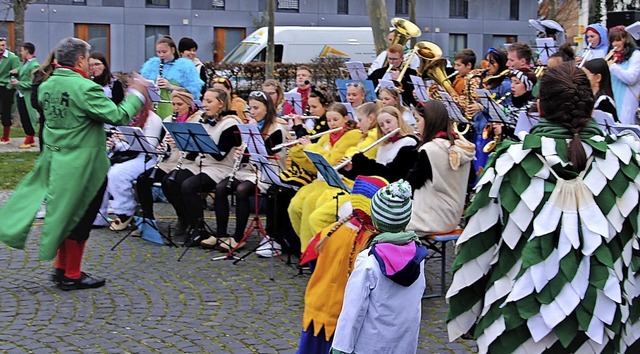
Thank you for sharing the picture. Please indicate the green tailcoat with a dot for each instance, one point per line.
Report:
(73, 163)
(25, 76)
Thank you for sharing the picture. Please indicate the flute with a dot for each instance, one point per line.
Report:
(297, 141)
(236, 165)
(585, 57)
(347, 160)
(292, 116)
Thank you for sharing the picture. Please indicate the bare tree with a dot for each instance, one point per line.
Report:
(377, 10)
(19, 8)
(270, 41)
(412, 18)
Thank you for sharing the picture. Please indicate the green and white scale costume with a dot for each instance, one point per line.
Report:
(548, 261)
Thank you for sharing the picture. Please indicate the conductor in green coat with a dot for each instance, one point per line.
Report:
(70, 174)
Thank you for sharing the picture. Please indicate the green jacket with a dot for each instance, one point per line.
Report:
(8, 63)
(73, 164)
(25, 77)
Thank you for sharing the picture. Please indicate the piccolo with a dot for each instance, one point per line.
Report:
(297, 141)
(236, 165)
(371, 146)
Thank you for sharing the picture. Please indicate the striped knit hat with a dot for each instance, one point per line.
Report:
(364, 188)
(391, 207)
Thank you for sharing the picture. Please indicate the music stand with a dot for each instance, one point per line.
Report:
(138, 142)
(419, 88)
(493, 110)
(547, 47)
(192, 137)
(330, 175)
(452, 108)
(295, 100)
(356, 70)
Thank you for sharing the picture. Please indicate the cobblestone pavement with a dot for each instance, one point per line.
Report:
(153, 303)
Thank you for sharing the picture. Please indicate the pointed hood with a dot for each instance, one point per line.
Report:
(602, 32)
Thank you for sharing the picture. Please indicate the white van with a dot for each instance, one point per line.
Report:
(296, 44)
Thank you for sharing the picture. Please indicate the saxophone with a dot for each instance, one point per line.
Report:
(472, 82)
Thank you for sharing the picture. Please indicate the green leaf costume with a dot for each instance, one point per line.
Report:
(73, 164)
(546, 263)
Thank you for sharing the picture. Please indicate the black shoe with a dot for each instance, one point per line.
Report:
(57, 275)
(86, 281)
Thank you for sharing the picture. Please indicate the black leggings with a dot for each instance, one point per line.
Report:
(81, 231)
(172, 189)
(191, 190)
(144, 189)
(24, 117)
(6, 100)
(243, 189)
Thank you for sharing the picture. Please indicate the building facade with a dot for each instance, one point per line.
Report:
(125, 30)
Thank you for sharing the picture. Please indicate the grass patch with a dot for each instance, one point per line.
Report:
(14, 166)
(16, 132)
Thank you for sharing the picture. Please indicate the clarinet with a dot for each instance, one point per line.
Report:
(160, 73)
(236, 165)
(165, 152)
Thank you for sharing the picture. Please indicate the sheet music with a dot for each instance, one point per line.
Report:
(295, 100)
(350, 111)
(269, 172)
(136, 139)
(356, 70)
(605, 121)
(191, 137)
(452, 108)
(547, 47)
(419, 88)
(495, 111)
(526, 121)
(252, 136)
(382, 83)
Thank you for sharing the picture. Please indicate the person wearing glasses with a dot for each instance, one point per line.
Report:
(263, 114)
(379, 61)
(28, 114)
(8, 62)
(395, 57)
(237, 104)
(275, 91)
(100, 73)
(170, 72)
(356, 94)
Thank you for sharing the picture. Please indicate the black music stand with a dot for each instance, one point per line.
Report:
(192, 137)
(604, 120)
(452, 108)
(493, 110)
(330, 175)
(547, 48)
(138, 142)
(419, 88)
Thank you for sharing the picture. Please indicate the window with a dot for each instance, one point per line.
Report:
(402, 7)
(6, 31)
(343, 7)
(98, 36)
(514, 10)
(158, 3)
(500, 40)
(79, 2)
(288, 5)
(457, 42)
(459, 8)
(151, 35)
(217, 4)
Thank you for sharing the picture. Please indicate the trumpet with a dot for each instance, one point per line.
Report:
(236, 165)
(297, 141)
(346, 161)
(609, 57)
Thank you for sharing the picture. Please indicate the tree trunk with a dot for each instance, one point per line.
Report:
(413, 19)
(19, 8)
(270, 42)
(377, 10)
